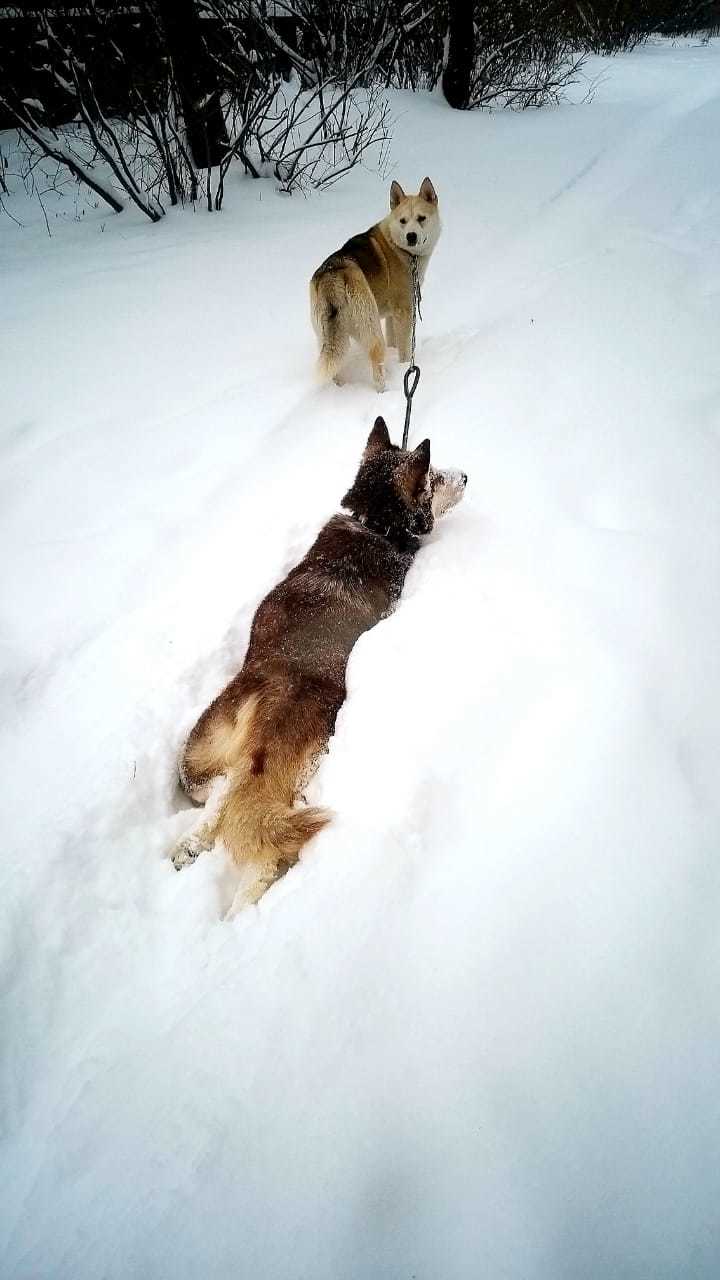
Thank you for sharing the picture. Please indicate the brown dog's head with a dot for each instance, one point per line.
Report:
(414, 221)
(396, 492)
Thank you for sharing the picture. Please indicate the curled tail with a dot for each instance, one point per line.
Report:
(258, 823)
(328, 298)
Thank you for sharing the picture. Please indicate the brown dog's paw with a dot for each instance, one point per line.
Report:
(188, 849)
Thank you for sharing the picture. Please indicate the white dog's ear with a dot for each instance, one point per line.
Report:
(414, 470)
(428, 192)
(396, 194)
(378, 440)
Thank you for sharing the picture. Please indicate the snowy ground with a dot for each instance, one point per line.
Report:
(476, 1032)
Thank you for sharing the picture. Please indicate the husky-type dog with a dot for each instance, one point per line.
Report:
(268, 728)
(370, 278)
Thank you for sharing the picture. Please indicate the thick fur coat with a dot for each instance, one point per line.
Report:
(266, 731)
(369, 279)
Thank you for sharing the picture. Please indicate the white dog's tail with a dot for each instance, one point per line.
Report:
(328, 298)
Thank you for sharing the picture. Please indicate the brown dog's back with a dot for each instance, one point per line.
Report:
(267, 729)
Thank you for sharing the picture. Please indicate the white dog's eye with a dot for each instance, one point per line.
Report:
(403, 221)
(421, 217)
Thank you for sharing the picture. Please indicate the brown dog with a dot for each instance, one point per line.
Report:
(268, 728)
(370, 278)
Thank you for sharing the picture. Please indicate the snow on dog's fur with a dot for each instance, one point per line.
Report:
(369, 278)
(267, 729)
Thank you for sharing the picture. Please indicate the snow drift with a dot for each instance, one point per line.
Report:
(476, 1032)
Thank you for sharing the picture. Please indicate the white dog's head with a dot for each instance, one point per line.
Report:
(414, 221)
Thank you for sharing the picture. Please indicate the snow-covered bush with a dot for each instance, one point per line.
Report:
(165, 129)
(517, 53)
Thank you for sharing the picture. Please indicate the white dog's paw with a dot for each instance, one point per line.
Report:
(188, 849)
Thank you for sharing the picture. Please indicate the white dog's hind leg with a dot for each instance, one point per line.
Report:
(365, 326)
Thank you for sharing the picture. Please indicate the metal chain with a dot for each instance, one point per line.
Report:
(416, 299)
(412, 373)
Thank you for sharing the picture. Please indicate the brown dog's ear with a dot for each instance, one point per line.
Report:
(396, 194)
(378, 440)
(413, 472)
(428, 192)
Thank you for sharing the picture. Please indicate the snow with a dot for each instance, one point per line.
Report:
(476, 1032)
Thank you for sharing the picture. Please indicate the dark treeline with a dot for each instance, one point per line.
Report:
(139, 40)
(144, 101)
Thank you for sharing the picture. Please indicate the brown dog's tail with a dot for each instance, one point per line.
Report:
(259, 827)
(328, 297)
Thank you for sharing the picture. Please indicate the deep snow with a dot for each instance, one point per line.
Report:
(476, 1032)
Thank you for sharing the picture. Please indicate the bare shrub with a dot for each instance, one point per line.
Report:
(512, 54)
(305, 131)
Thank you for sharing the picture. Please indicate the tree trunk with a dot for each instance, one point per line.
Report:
(196, 82)
(457, 76)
